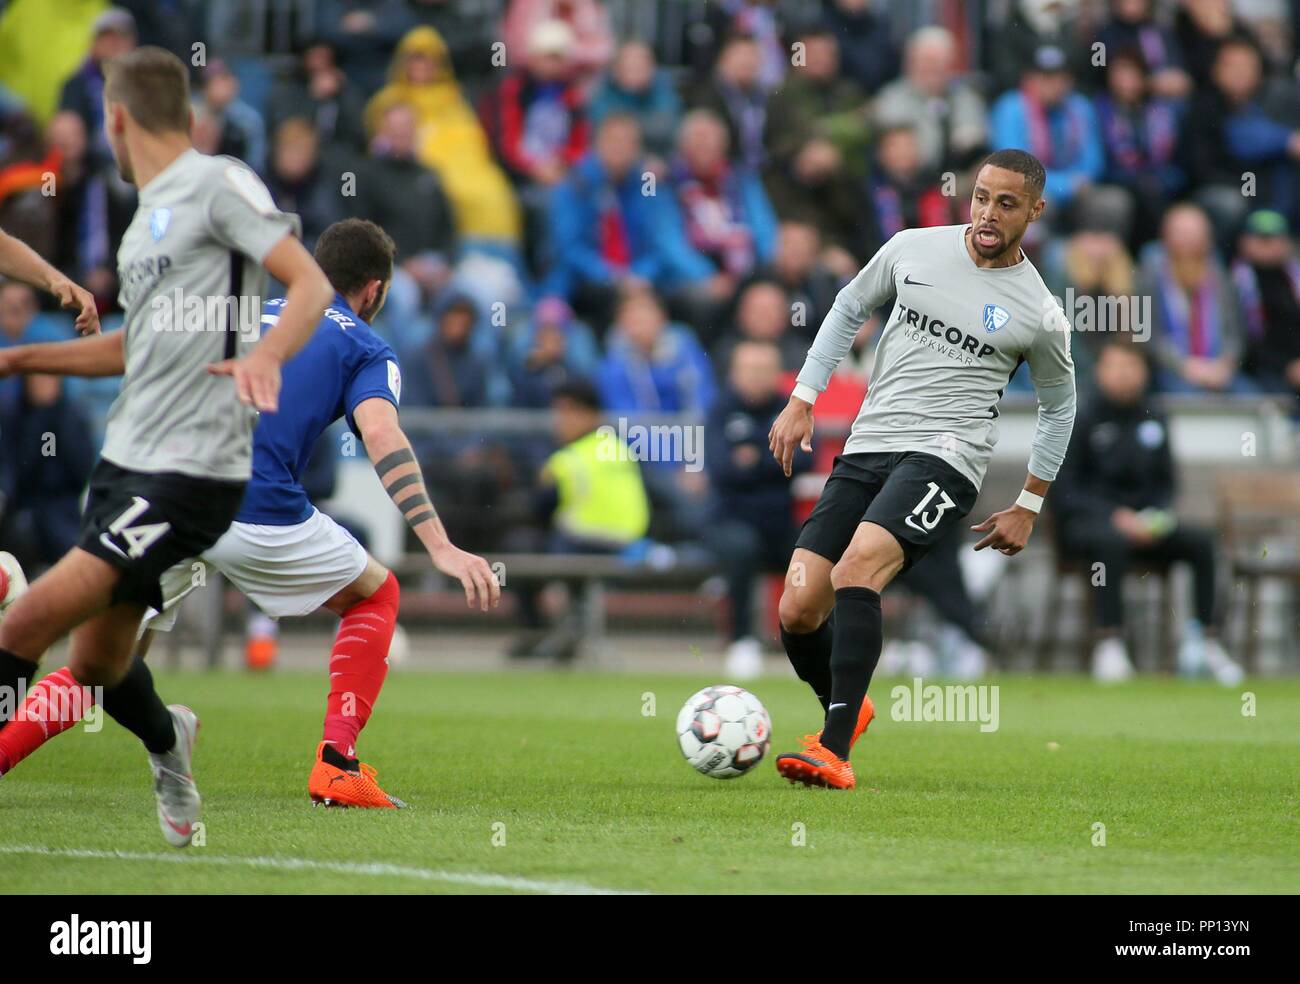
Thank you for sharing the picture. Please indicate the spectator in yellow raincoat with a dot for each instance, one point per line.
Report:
(450, 139)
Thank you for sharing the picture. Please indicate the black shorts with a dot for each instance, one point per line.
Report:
(143, 523)
(918, 497)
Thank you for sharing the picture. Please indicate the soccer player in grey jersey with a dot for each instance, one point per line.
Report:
(969, 307)
(178, 447)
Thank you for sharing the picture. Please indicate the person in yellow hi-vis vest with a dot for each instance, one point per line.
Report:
(599, 501)
(592, 493)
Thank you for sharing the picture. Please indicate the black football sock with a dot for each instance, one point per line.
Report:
(810, 655)
(136, 706)
(15, 677)
(854, 655)
(332, 756)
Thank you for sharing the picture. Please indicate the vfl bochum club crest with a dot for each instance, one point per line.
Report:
(995, 317)
(162, 218)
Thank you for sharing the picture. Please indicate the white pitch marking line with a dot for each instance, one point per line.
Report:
(367, 868)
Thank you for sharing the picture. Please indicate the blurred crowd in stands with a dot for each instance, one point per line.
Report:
(569, 209)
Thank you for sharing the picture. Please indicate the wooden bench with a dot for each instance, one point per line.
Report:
(593, 574)
(1259, 516)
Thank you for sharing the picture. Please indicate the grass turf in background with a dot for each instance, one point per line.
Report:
(560, 781)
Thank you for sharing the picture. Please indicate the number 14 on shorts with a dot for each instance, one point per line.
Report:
(138, 538)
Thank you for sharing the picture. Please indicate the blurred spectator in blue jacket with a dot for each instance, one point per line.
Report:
(1140, 131)
(1054, 123)
(300, 184)
(21, 321)
(606, 230)
(652, 364)
(637, 86)
(47, 462)
(113, 35)
(904, 195)
(321, 93)
(448, 371)
(467, 470)
(553, 348)
(1197, 322)
(365, 34)
(1267, 276)
(243, 131)
(406, 198)
(1133, 27)
(763, 314)
(717, 218)
(797, 266)
(1202, 27)
(867, 48)
(1241, 124)
(1032, 24)
(737, 95)
(752, 528)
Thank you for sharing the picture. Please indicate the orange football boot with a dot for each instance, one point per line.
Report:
(817, 765)
(331, 786)
(865, 714)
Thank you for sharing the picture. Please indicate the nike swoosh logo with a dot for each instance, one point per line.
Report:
(103, 538)
(833, 706)
(914, 283)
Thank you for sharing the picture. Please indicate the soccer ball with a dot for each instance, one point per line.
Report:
(723, 731)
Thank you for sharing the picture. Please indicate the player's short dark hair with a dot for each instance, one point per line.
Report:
(1022, 162)
(353, 252)
(577, 391)
(154, 85)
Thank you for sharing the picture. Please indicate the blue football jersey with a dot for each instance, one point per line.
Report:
(343, 364)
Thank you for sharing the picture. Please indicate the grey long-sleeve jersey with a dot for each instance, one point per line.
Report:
(956, 335)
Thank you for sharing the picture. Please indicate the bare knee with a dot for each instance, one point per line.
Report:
(799, 612)
(25, 629)
(370, 580)
(96, 672)
(865, 570)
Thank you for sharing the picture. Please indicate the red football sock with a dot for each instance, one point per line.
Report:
(53, 705)
(358, 665)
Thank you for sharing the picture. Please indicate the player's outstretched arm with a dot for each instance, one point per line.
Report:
(1008, 531)
(98, 355)
(308, 293)
(793, 428)
(1052, 371)
(872, 287)
(20, 262)
(390, 452)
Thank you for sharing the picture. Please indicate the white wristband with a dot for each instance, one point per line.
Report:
(805, 392)
(1030, 501)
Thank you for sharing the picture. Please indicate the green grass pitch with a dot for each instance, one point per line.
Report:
(559, 782)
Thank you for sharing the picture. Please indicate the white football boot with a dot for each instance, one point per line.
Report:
(13, 582)
(173, 784)
(744, 659)
(1221, 666)
(1110, 662)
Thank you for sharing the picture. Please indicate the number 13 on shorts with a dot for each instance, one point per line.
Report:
(929, 520)
(137, 539)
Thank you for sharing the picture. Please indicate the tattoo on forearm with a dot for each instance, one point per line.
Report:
(416, 506)
(402, 456)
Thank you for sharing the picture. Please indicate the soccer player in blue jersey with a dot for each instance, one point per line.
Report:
(285, 555)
